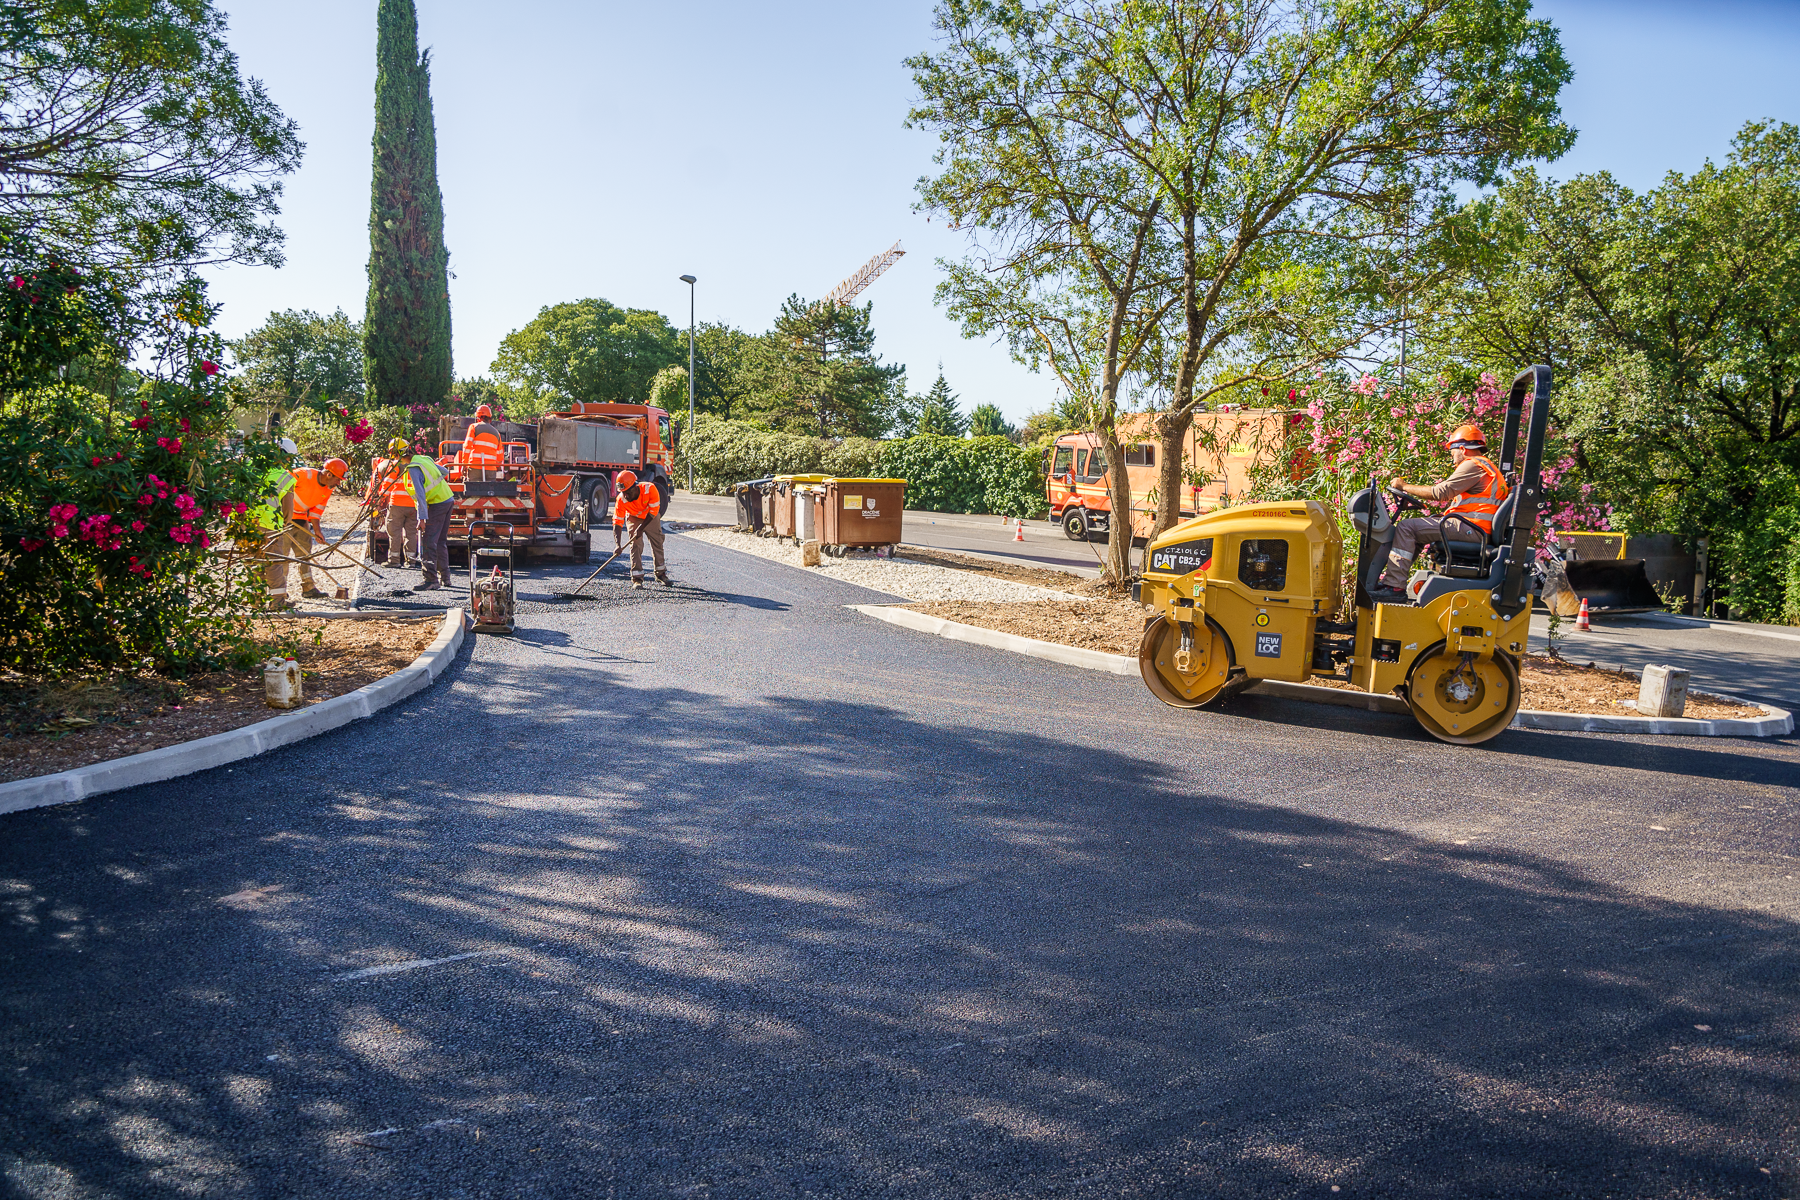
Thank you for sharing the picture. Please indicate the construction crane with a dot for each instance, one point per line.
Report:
(852, 287)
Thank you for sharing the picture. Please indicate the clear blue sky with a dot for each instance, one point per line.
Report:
(602, 149)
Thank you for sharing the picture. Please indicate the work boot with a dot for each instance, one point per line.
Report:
(1383, 594)
(278, 605)
(313, 593)
(662, 577)
(638, 584)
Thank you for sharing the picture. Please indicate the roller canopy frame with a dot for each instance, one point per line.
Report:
(1526, 481)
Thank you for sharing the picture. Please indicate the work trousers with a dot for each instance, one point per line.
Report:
(650, 527)
(294, 541)
(403, 534)
(1407, 536)
(434, 542)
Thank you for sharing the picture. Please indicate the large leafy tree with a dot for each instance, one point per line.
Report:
(129, 139)
(299, 358)
(406, 332)
(1673, 318)
(824, 377)
(585, 350)
(986, 420)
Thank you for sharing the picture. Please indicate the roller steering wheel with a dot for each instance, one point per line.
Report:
(1403, 502)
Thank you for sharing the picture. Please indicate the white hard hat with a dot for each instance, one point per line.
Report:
(288, 445)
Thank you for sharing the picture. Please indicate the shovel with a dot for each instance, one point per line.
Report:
(596, 574)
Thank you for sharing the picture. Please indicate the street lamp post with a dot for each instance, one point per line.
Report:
(689, 280)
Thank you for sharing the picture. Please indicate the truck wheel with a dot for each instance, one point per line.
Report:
(665, 492)
(1075, 524)
(598, 499)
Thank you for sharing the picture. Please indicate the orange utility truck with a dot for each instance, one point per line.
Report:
(1218, 455)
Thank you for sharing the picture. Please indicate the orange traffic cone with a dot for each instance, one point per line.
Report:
(1019, 530)
(1581, 618)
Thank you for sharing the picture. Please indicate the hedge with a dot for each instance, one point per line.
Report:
(943, 474)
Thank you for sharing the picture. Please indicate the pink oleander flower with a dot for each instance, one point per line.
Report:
(59, 531)
(141, 423)
(61, 513)
(30, 544)
(182, 533)
(137, 527)
(1366, 385)
(205, 541)
(184, 425)
(209, 368)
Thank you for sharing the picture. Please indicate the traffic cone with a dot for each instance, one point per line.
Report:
(1581, 618)
(1019, 530)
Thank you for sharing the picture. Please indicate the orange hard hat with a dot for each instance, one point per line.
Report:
(1466, 435)
(624, 479)
(484, 412)
(337, 466)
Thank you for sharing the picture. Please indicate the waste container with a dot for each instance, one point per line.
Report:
(783, 494)
(863, 512)
(749, 498)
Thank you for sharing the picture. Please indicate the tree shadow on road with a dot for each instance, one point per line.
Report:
(777, 947)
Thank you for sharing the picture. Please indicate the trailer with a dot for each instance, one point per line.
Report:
(595, 442)
(525, 510)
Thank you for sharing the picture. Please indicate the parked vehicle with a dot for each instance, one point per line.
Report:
(592, 443)
(1218, 455)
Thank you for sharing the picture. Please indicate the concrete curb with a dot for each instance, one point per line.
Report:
(170, 762)
(1073, 656)
(1777, 722)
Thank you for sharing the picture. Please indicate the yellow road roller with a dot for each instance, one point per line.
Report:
(1255, 592)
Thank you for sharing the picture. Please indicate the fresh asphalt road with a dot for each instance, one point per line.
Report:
(728, 891)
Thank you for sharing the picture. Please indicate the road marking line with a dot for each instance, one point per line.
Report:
(409, 965)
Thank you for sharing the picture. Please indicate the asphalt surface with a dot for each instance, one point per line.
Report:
(727, 891)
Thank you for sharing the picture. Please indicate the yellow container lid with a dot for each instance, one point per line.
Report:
(840, 479)
(801, 478)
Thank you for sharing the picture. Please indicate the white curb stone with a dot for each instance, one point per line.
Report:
(1776, 722)
(154, 766)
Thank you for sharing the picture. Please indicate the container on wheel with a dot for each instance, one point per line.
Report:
(748, 497)
(783, 492)
(863, 512)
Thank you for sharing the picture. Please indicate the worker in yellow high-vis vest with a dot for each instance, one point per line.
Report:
(432, 495)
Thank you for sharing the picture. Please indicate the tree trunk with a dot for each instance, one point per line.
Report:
(1171, 433)
(1118, 491)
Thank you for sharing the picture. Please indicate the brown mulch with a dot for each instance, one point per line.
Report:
(1110, 625)
(1116, 627)
(48, 726)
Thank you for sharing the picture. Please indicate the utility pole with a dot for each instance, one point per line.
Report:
(689, 280)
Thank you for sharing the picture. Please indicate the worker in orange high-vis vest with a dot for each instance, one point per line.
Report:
(635, 513)
(394, 504)
(304, 494)
(481, 456)
(1474, 488)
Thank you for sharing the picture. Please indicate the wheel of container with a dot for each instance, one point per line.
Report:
(1075, 525)
(1156, 661)
(1465, 708)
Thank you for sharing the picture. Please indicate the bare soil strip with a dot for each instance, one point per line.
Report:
(51, 726)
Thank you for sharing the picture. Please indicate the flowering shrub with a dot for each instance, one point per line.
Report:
(1371, 426)
(108, 525)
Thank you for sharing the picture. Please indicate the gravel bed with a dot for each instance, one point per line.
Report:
(896, 576)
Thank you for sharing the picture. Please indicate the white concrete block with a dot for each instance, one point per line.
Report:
(1662, 692)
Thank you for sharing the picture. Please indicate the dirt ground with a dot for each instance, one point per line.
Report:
(1056, 580)
(1116, 626)
(50, 727)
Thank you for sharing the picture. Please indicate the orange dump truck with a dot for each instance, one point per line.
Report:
(1219, 454)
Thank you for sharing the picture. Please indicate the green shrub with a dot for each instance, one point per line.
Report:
(966, 475)
(852, 458)
(726, 452)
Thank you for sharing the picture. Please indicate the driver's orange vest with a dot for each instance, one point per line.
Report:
(1478, 507)
(481, 448)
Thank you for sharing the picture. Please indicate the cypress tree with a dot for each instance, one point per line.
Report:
(406, 332)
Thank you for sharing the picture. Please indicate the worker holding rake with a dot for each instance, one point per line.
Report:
(635, 517)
